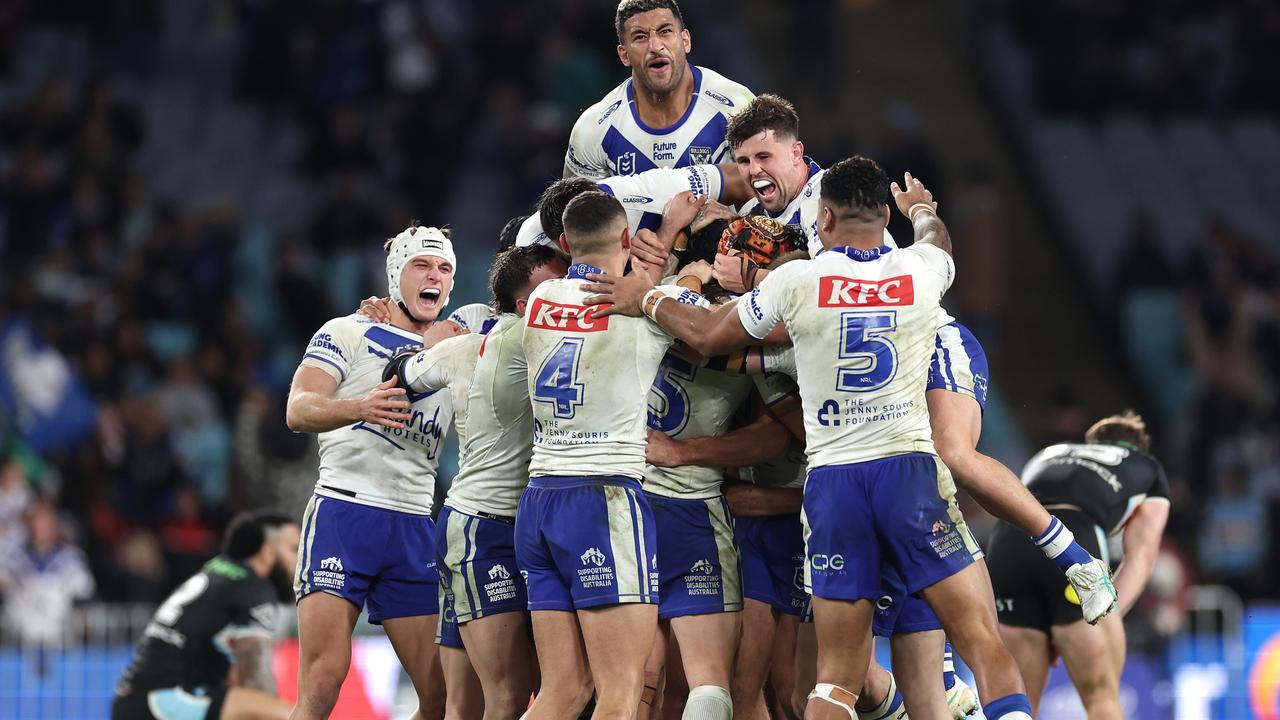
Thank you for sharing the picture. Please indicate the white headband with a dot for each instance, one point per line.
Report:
(413, 243)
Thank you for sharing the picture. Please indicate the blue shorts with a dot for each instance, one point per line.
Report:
(898, 613)
(372, 557)
(772, 550)
(959, 364)
(477, 561)
(898, 511)
(698, 568)
(447, 633)
(585, 542)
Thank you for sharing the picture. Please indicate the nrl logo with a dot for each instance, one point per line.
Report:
(626, 163)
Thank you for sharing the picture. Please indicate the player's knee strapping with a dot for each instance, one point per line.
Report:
(708, 702)
(1009, 707)
(1059, 545)
(888, 707)
(836, 695)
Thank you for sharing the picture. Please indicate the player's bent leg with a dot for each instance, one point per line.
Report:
(325, 623)
(413, 639)
(1030, 650)
(498, 646)
(707, 646)
(241, 703)
(917, 658)
(753, 660)
(464, 697)
(844, 652)
(963, 604)
(566, 680)
(1094, 659)
(618, 639)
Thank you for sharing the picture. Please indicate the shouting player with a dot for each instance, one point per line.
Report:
(862, 317)
(584, 528)
(1109, 485)
(483, 591)
(368, 538)
(223, 616)
(667, 114)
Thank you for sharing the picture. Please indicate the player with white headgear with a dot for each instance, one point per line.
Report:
(367, 535)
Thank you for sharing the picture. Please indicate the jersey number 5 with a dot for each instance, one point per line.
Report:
(557, 380)
(864, 340)
(672, 414)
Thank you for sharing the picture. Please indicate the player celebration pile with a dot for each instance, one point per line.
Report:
(711, 428)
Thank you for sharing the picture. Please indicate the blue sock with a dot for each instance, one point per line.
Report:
(1059, 544)
(948, 668)
(1008, 708)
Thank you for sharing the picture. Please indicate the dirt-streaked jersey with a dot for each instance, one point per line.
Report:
(688, 401)
(1107, 482)
(476, 317)
(609, 138)
(643, 196)
(393, 468)
(862, 323)
(589, 380)
(494, 468)
(448, 365)
(189, 642)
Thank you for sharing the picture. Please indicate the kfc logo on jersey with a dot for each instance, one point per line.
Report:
(835, 291)
(573, 318)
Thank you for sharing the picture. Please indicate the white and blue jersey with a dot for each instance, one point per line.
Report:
(642, 196)
(609, 138)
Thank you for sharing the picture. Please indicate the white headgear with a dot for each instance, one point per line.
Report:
(415, 242)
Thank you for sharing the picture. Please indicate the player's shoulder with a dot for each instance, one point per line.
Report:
(476, 317)
(728, 95)
(598, 117)
(531, 233)
(345, 328)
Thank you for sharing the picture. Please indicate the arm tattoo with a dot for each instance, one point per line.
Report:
(253, 664)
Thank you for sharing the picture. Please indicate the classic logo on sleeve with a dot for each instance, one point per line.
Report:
(549, 315)
(836, 291)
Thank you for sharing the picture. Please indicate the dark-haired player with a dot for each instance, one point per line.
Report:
(667, 114)
(584, 528)
(222, 618)
(1110, 484)
(368, 537)
(765, 138)
(862, 316)
(483, 593)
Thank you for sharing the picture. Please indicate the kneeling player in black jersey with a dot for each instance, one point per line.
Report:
(1107, 486)
(221, 619)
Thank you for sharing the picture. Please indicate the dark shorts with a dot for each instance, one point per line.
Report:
(1031, 590)
(381, 559)
(772, 551)
(174, 703)
(698, 569)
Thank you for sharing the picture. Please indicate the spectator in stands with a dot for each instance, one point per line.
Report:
(42, 582)
(1235, 534)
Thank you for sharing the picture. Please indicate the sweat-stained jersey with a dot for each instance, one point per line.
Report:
(370, 464)
(862, 323)
(643, 196)
(448, 365)
(589, 380)
(609, 138)
(494, 468)
(688, 401)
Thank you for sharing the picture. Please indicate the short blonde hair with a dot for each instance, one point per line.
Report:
(1127, 427)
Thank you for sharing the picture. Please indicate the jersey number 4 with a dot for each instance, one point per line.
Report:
(864, 339)
(672, 413)
(557, 380)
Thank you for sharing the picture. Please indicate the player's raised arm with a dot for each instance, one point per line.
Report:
(916, 202)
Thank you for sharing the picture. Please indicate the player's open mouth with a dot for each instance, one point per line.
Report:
(765, 189)
(659, 65)
(430, 296)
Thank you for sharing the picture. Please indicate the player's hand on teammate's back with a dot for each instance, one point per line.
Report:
(442, 330)
(728, 272)
(912, 193)
(648, 249)
(385, 405)
(376, 309)
(661, 450)
(618, 295)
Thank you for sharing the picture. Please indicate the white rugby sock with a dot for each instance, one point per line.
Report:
(708, 702)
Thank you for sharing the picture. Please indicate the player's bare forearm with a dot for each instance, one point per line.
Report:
(930, 230)
(1141, 542)
(761, 441)
(708, 332)
(312, 407)
(754, 501)
(253, 664)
